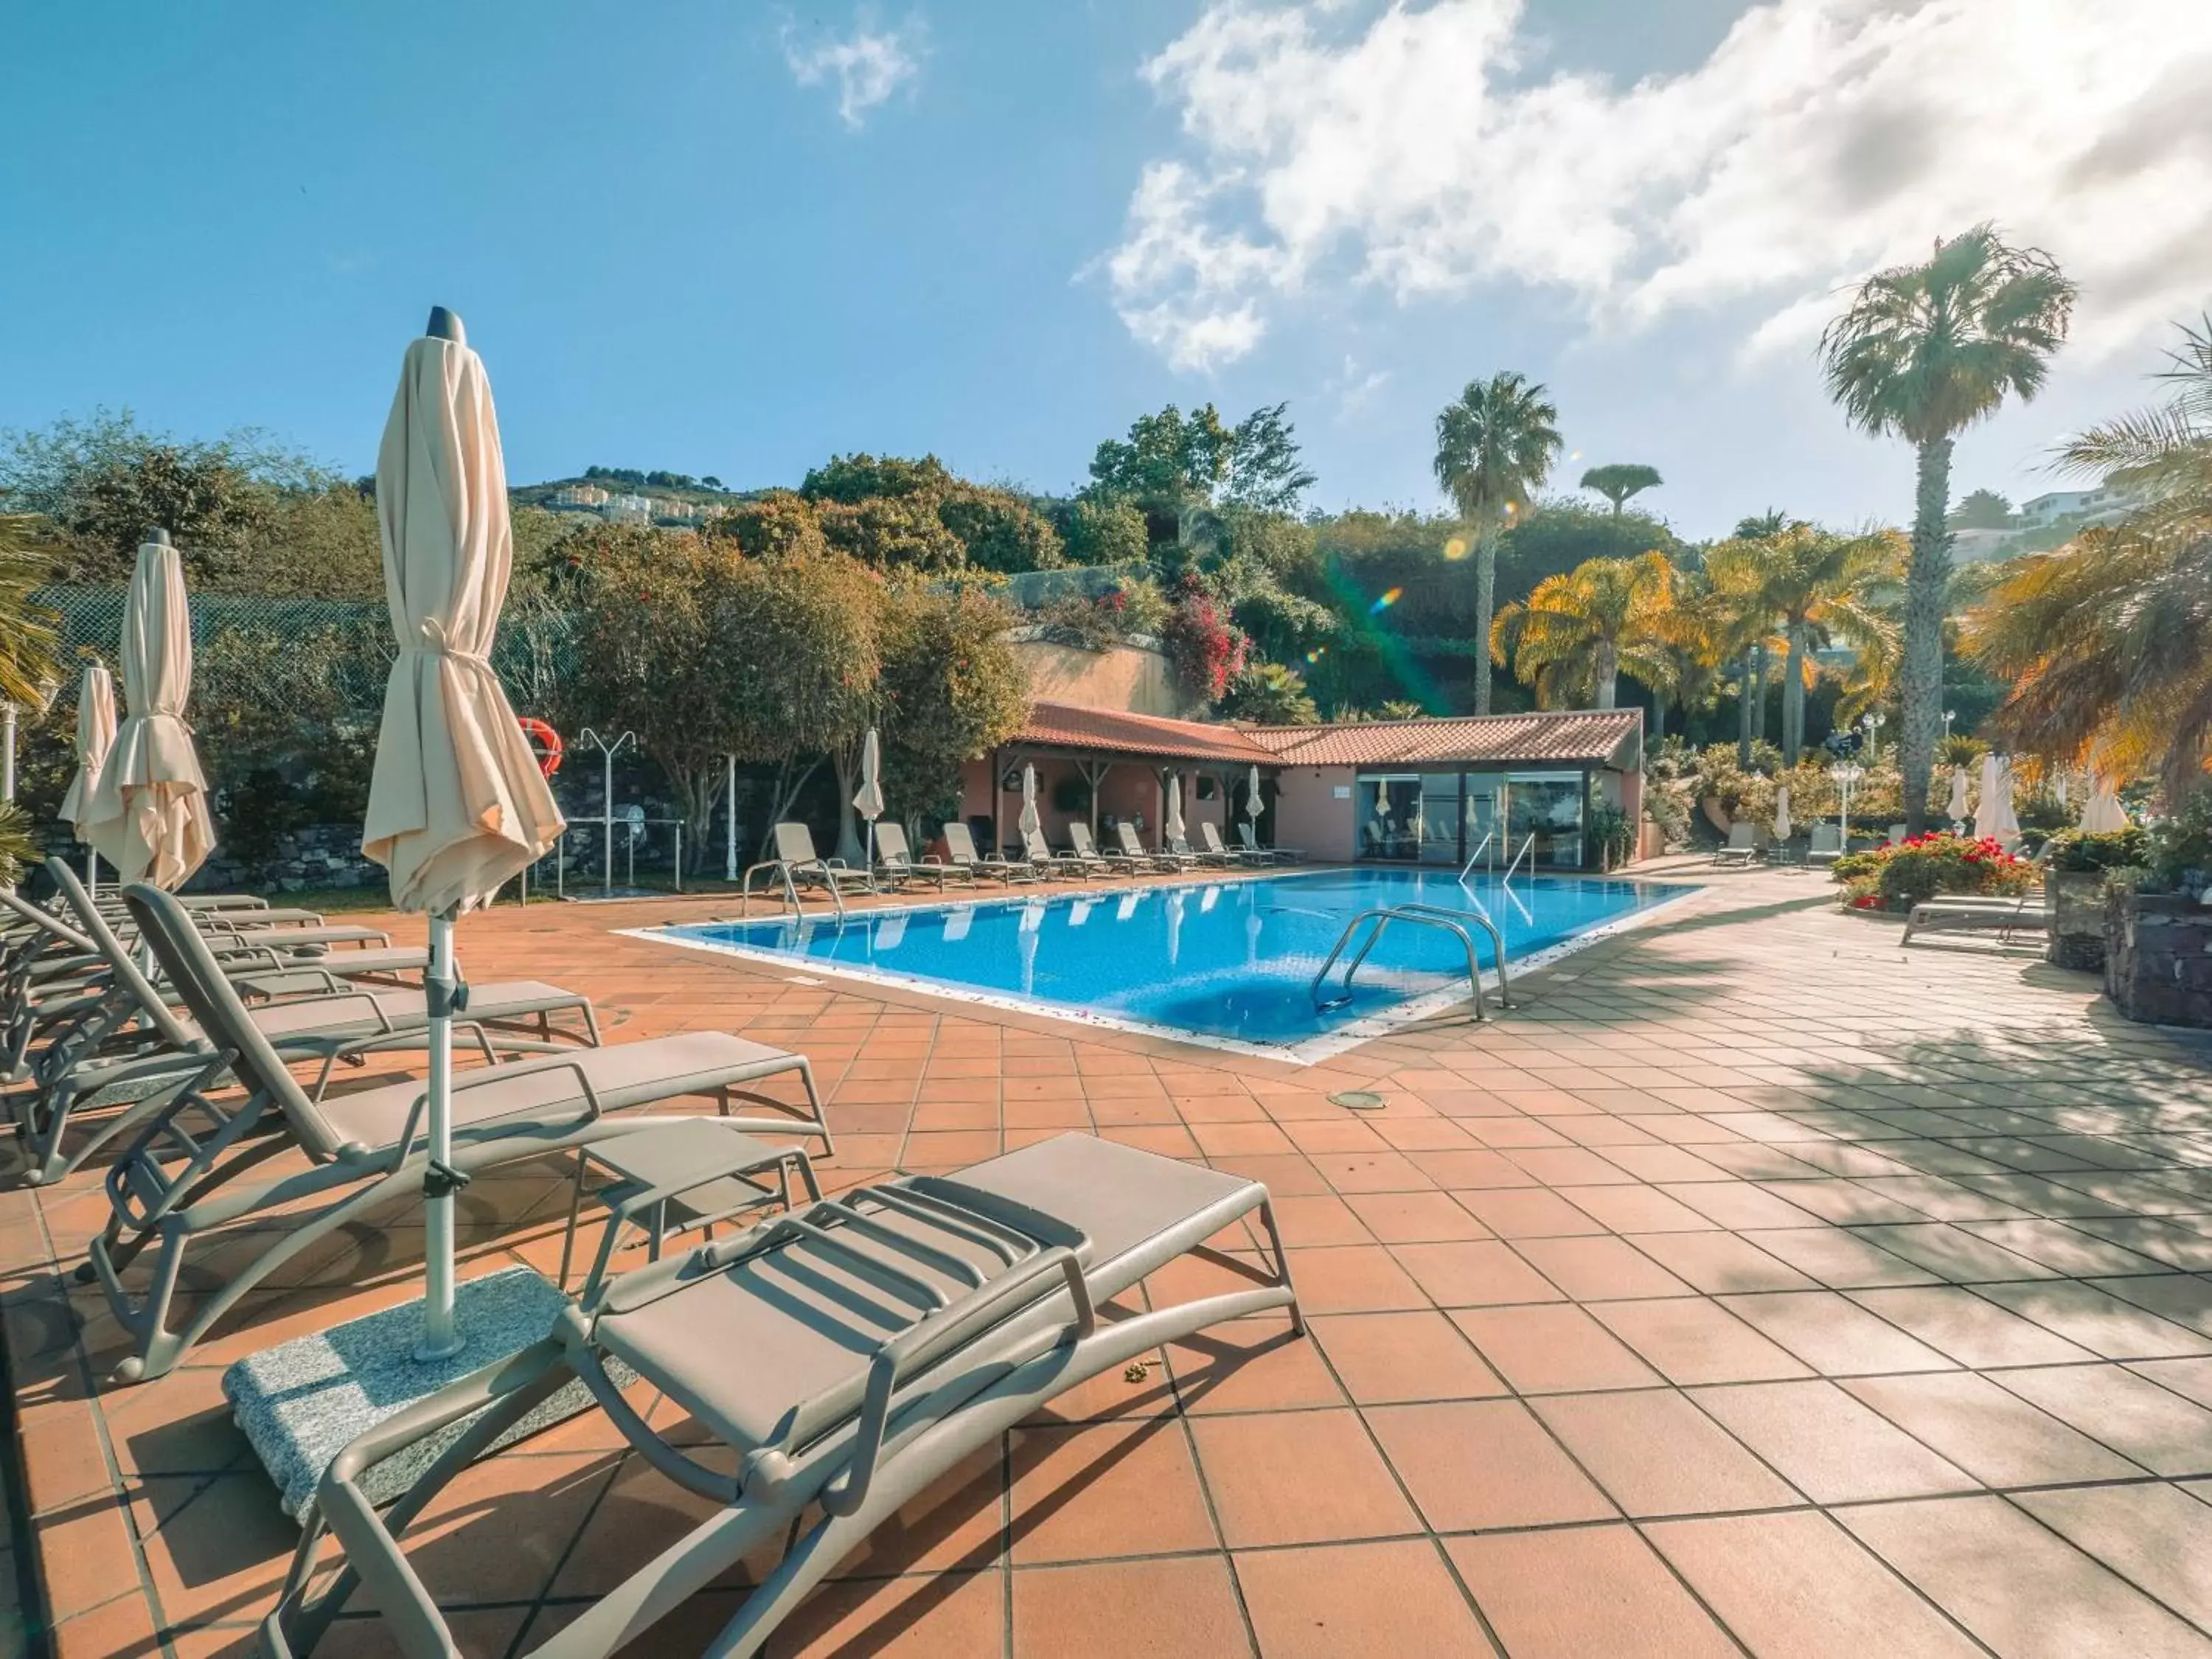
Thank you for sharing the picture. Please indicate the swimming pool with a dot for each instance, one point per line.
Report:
(1225, 963)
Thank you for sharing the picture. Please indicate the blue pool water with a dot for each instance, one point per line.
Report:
(1229, 960)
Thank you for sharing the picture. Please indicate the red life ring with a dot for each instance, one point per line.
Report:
(544, 743)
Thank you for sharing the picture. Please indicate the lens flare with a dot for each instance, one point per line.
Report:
(1456, 547)
(1385, 602)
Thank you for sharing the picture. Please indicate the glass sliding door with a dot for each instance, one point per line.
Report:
(1388, 816)
(1482, 811)
(1440, 818)
(1549, 806)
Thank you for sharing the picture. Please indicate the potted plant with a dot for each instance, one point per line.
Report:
(2158, 929)
(2074, 882)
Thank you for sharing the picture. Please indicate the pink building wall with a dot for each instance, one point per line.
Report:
(1310, 817)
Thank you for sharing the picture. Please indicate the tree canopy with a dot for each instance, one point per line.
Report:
(1620, 480)
(1173, 466)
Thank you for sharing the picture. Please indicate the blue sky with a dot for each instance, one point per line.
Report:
(734, 239)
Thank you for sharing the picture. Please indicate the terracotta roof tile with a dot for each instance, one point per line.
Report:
(1064, 725)
(1600, 736)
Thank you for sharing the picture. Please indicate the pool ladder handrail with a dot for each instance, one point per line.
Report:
(1528, 851)
(1428, 915)
(790, 890)
(1480, 847)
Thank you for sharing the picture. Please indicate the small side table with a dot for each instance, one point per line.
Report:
(670, 1177)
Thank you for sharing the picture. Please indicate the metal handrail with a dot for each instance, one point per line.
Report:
(1528, 851)
(1427, 915)
(790, 892)
(1480, 847)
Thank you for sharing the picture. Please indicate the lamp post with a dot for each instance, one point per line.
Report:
(1843, 775)
(1872, 721)
(1949, 715)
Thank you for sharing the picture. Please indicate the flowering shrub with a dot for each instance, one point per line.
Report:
(1897, 876)
(1205, 647)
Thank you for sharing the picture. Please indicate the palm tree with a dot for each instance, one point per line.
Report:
(1577, 631)
(1618, 482)
(2106, 638)
(1679, 664)
(1812, 584)
(1494, 447)
(1923, 352)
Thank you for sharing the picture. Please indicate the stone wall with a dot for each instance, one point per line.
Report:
(2158, 958)
(316, 855)
(2076, 931)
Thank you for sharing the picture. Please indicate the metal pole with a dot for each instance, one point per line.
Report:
(730, 829)
(8, 766)
(440, 1339)
(679, 856)
(607, 825)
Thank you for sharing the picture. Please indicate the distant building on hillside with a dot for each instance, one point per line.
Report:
(579, 495)
(2099, 506)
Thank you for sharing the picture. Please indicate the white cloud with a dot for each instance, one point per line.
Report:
(867, 66)
(1410, 150)
(1355, 388)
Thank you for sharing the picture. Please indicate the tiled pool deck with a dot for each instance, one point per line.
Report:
(1755, 1287)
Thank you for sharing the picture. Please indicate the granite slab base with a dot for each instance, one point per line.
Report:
(302, 1402)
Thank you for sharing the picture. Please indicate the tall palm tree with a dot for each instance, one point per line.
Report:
(1922, 353)
(1813, 585)
(1620, 480)
(2109, 638)
(1494, 447)
(1577, 631)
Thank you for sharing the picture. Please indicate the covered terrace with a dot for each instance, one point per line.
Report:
(1103, 767)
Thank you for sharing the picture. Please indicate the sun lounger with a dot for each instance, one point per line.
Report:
(1211, 844)
(2004, 916)
(798, 864)
(1144, 857)
(1743, 845)
(961, 854)
(894, 860)
(1824, 845)
(840, 1360)
(1215, 856)
(171, 1186)
(1250, 839)
(1045, 862)
(133, 1037)
(1087, 851)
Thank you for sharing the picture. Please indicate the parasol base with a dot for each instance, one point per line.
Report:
(302, 1402)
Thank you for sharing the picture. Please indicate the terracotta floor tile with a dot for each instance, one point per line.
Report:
(1484, 1463)
(941, 1615)
(1830, 1446)
(216, 1550)
(1636, 1209)
(1599, 1269)
(1319, 1218)
(1797, 1586)
(1739, 1203)
(1691, 1340)
(1390, 1357)
(1185, 1606)
(1415, 1218)
(1553, 1350)
(1372, 1172)
(1625, 1601)
(1254, 1365)
(2062, 1248)
(1350, 1600)
(1298, 1478)
(2184, 1298)
(79, 1546)
(2190, 1378)
(1108, 1490)
(1717, 1262)
(496, 1533)
(123, 1629)
(1954, 1254)
(1352, 1278)
(1483, 1273)
(1834, 1336)
(2165, 1433)
(1528, 1212)
(2098, 1320)
(1994, 1436)
(1840, 1260)
(2021, 1591)
(1968, 1327)
(1655, 1453)
(2157, 1537)
(1479, 1170)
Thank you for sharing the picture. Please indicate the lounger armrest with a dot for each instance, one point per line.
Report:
(920, 1343)
(503, 1074)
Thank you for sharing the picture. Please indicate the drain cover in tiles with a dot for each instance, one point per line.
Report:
(1360, 1100)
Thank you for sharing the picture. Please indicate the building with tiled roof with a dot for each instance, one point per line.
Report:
(1430, 791)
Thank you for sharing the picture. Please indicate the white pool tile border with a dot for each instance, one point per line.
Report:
(1311, 1052)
